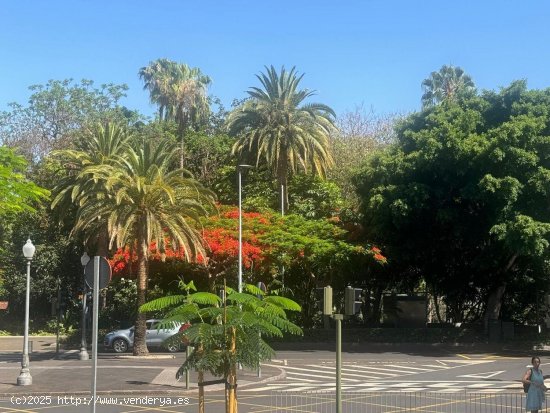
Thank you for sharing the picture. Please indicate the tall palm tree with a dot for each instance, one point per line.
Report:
(180, 92)
(151, 202)
(275, 125)
(98, 146)
(155, 76)
(448, 83)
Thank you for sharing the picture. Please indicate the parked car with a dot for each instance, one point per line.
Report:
(122, 340)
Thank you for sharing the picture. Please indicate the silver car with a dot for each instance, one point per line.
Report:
(122, 340)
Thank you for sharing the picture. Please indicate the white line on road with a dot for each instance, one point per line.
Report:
(355, 370)
(293, 373)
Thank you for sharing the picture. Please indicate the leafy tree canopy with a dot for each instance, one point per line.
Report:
(57, 109)
(17, 193)
(463, 196)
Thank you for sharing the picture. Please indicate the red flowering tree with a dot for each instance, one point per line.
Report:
(220, 234)
(312, 252)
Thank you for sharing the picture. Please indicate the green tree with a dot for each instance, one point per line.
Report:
(58, 109)
(150, 202)
(275, 125)
(449, 83)
(461, 199)
(17, 193)
(226, 333)
(206, 155)
(314, 198)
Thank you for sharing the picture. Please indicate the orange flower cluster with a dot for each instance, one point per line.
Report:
(222, 244)
(234, 214)
(378, 255)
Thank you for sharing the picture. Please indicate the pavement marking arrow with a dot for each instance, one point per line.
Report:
(485, 375)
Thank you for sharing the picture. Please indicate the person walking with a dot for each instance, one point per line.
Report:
(535, 379)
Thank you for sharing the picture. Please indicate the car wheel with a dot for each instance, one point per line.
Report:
(120, 345)
(172, 347)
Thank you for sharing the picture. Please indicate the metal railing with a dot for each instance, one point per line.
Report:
(397, 402)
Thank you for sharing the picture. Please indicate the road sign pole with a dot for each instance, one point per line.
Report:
(94, 332)
(338, 318)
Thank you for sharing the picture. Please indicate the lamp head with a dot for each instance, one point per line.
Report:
(244, 166)
(28, 250)
(85, 259)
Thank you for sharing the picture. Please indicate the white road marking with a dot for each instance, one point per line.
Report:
(485, 375)
(479, 385)
(371, 375)
(345, 370)
(291, 375)
(407, 367)
(447, 384)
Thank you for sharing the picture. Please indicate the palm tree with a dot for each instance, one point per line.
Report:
(275, 125)
(150, 203)
(180, 92)
(155, 77)
(448, 83)
(97, 147)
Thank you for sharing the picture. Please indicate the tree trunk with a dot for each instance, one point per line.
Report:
(182, 153)
(494, 301)
(377, 306)
(182, 131)
(282, 172)
(232, 378)
(494, 304)
(200, 379)
(436, 305)
(102, 247)
(140, 347)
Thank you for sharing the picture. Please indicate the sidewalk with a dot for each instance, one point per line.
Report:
(154, 374)
(36, 343)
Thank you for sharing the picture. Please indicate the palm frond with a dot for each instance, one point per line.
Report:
(163, 303)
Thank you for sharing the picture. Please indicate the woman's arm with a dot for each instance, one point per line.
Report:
(526, 377)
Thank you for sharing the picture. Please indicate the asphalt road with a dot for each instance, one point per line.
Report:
(374, 380)
(397, 371)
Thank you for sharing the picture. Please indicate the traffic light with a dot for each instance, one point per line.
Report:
(324, 299)
(352, 300)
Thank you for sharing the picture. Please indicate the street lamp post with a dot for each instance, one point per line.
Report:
(83, 355)
(25, 378)
(240, 279)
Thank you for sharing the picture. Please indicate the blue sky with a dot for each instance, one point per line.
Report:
(371, 52)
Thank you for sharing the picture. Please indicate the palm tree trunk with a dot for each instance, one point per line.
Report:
(140, 347)
(102, 247)
(282, 171)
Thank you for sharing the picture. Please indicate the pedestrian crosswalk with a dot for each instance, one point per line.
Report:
(393, 386)
(390, 377)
